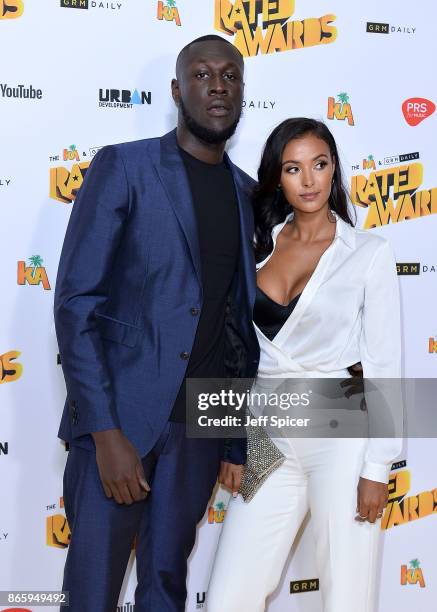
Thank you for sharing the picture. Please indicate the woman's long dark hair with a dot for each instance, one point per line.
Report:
(270, 205)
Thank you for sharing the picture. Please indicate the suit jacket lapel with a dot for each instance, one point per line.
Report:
(174, 179)
(246, 232)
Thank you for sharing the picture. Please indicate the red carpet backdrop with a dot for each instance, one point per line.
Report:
(76, 75)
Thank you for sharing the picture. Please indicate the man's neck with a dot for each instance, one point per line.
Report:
(209, 153)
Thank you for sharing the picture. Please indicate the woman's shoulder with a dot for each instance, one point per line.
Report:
(369, 239)
(374, 249)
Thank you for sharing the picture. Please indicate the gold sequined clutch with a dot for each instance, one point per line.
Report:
(263, 458)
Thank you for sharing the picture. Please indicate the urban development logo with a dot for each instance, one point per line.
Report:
(168, 11)
(412, 574)
(391, 194)
(416, 110)
(124, 98)
(263, 26)
(340, 109)
(33, 274)
(10, 371)
(432, 345)
(200, 600)
(11, 9)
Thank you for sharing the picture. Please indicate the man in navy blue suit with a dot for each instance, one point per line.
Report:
(156, 283)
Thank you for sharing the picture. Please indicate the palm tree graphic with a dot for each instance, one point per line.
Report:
(171, 3)
(220, 506)
(370, 157)
(343, 97)
(36, 261)
(415, 563)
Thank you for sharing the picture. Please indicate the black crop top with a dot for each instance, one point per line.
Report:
(268, 315)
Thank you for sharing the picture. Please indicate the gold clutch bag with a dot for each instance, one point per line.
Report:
(263, 458)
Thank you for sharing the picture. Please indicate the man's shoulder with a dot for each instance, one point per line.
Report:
(136, 147)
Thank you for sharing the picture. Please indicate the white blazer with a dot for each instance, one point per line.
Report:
(349, 311)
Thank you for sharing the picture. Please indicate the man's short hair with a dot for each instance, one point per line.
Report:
(205, 38)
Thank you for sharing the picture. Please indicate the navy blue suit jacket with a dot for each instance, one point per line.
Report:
(128, 279)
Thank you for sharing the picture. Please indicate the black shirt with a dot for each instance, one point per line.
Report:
(216, 211)
(269, 316)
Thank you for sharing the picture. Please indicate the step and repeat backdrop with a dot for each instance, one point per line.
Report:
(76, 75)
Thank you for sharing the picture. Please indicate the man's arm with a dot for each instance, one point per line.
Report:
(82, 287)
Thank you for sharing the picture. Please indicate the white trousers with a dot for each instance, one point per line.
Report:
(320, 475)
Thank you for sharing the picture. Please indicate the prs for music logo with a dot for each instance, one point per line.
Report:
(11, 9)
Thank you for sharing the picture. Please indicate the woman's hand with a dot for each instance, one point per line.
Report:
(230, 476)
(372, 498)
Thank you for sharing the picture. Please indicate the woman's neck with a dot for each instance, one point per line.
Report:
(312, 227)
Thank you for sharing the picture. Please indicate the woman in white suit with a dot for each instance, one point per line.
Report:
(327, 298)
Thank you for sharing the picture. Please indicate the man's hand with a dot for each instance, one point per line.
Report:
(120, 467)
(372, 498)
(230, 476)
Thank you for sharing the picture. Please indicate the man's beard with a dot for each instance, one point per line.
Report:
(206, 134)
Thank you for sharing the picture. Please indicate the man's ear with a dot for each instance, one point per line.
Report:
(175, 91)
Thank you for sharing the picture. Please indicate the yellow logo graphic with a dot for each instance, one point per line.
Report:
(64, 184)
(58, 533)
(11, 9)
(413, 574)
(34, 274)
(71, 154)
(400, 509)
(369, 163)
(168, 11)
(340, 109)
(217, 513)
(373, 192)
(10, 371)
(264, 26)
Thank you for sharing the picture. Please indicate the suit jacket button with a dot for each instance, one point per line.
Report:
(184, 355)
(194, 311)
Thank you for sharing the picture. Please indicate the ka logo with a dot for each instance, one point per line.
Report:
(412, 574)
(168, 11)
(11, 9)
(33, 274)
(340, 109)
